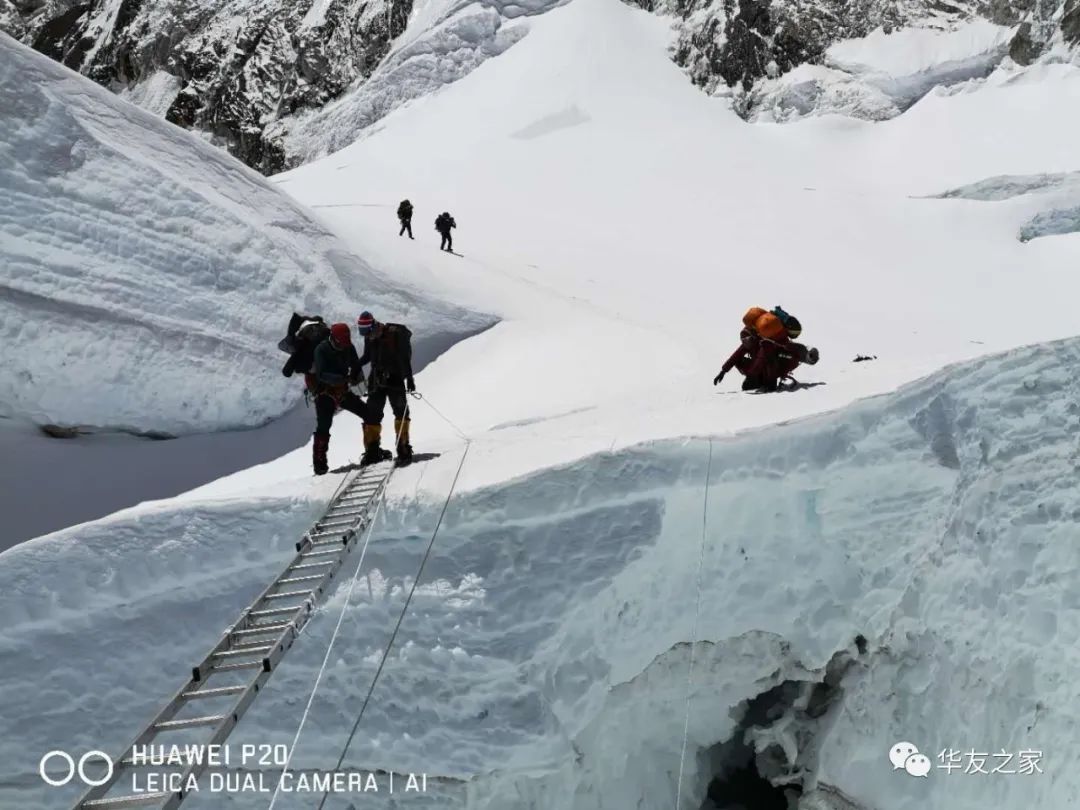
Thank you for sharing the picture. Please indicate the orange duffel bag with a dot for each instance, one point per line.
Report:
(765, 323)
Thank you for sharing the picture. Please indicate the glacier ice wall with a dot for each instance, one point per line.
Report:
(902, 569)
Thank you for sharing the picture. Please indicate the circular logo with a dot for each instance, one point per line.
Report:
(72, 768)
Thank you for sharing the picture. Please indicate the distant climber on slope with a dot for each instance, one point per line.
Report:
(443, 223)
(388, 348)
(336, 367)
(767, 351)
(404, 215)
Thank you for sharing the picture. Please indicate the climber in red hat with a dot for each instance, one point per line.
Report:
(337, 366)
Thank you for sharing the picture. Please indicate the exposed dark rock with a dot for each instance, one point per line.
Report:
(1021, 48)
(1070, 22)
(62, 38)
(60, 431)
(238, 65)
(1008, 12)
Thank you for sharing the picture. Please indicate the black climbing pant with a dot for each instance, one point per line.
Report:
(326, 405)
(376, 403)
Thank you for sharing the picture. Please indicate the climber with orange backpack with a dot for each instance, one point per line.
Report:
(767, 350)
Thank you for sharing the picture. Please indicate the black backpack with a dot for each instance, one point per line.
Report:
(313, 332)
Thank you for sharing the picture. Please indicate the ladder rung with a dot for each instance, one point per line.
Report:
(274, 611)
(338, 535)
(135, 800)
(247, 645)
(220, 691)
(354, 498)
(262, 629)
(302, 566)
(352, 517)
(240, 665)
(191, 722)
(331, 524)
(250, 651)
(291, 580)
(287, 595)
(320, 553)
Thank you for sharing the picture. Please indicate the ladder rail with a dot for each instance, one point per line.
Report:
(362, 491)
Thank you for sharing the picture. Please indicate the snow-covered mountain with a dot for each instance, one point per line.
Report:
(279, 84)
(246, 74)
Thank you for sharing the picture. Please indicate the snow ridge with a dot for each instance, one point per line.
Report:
(149, 275)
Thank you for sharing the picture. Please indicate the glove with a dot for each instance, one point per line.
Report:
(410, 385)
(812, 357)
(718, 378)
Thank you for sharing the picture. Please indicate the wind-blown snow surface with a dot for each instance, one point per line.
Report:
(148, 276)
(544, 658)
(619, 222)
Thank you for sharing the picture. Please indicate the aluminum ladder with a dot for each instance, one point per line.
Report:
(240, 664)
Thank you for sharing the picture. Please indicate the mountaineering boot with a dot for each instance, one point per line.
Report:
(404, 449)
(319, 446)
(373, 452)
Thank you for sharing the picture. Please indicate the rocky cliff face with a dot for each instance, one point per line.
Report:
(258, 76)
(737, 46)
(227, 69)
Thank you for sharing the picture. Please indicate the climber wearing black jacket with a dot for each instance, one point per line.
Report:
(388, 347)
(443, 223)
(336, 367)
(404, 215)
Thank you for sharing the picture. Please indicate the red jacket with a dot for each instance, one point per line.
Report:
(774, 359)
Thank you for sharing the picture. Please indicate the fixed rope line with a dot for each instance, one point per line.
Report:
(329, 648)
(441, 415)
(401, 617)
(350, 205)
(694, 630)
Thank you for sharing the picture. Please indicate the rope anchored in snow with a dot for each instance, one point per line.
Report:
(401, 617)
(345, 604)
(329, 648)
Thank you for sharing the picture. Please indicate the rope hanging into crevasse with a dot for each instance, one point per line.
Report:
(694, 629)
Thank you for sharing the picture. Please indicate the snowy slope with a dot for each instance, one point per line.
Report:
(544, 660)
(618, 222)
(148, 276)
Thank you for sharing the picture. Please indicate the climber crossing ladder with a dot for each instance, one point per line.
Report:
(233, 673)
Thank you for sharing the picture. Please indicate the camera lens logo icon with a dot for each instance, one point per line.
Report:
(905, 756)
(72, 768)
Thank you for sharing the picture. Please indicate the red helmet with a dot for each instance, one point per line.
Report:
(341, 334)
